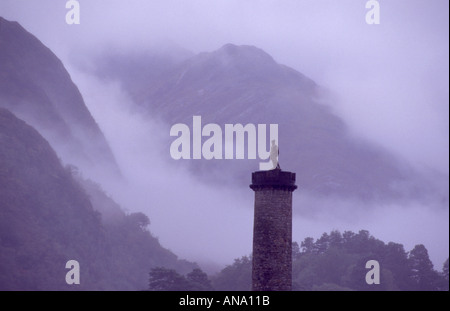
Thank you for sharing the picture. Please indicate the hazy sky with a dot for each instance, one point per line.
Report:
(390, 81)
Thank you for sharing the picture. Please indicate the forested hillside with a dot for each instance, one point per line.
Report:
(47, 219)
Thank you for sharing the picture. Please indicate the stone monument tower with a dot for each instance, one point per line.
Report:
(272, 230)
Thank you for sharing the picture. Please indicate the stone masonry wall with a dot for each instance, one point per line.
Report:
(272, 240)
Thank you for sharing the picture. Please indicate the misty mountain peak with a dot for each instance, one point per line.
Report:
(245, 53)
(236, 59)
(233, 65)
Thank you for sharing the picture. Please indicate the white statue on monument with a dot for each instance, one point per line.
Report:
(272, 162)
(274, 152)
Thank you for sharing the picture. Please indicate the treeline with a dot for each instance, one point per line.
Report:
(335, 262)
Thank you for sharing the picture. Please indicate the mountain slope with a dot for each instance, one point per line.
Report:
(243, 84)
(136, 69)
(35, 85)
(46, 219)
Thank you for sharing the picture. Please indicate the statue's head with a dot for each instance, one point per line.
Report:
(273, 141)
